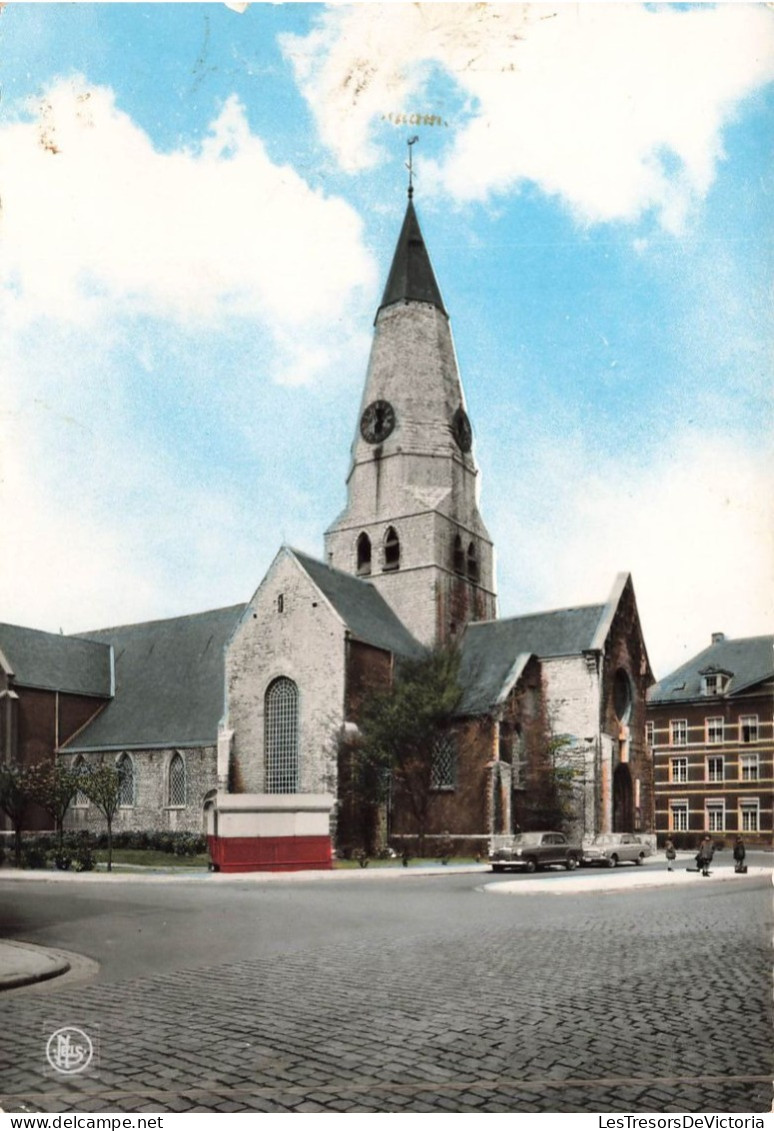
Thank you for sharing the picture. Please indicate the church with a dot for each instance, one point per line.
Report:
(200, 713)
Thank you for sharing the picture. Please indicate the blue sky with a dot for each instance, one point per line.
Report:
(200, 204)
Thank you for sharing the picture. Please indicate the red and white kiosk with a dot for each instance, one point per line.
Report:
(269, 832)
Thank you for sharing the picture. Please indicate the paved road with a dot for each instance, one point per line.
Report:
(423, 995)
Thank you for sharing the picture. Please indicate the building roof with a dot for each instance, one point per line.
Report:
(491, 650)
(54, 662)
(411, 275)
(362, 608)
(169, 683)
(748, 661)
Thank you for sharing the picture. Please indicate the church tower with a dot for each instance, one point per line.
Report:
(412, 524)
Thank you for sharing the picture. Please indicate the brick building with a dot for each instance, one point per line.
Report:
(255, 699)
(710, 727)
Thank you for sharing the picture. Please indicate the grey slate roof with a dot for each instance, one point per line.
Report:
(411, 275)
(169, 683)
(750, 660)
(54, 662)
(490, 648)
(362, 608)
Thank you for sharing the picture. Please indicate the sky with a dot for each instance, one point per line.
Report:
(200, 203)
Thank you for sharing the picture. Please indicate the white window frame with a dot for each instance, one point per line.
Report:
(678, 806)
(749, 761)
(177, 757)
(714, 730)
(282, 747)
(713, 806)
(650, 733)
(709, 775)
(681, 777)
(122, 760)
(753, 722)
(748, 806)
(678, 732)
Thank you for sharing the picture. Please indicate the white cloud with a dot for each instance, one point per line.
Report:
(617, 109)
(96, 219)
(695, 530)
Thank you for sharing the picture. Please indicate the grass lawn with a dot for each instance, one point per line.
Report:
(149, 858)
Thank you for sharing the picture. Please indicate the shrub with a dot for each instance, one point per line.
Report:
(85, 860)
(62, 861)
(34, 857)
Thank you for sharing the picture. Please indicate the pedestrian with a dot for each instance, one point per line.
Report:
(704, 855)
(739, 854)
(669, 848)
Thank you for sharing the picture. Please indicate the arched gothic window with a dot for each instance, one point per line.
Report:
(363, 555)
(176, 781)
(80, 801)
(125, 768)
(458, 556)
(472, 562)
(443, 772)
(281, 736)
(391, 549)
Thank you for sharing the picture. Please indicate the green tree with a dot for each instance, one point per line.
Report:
(102, 785)
(400, 731)
(54, 785)
(15, 800)
(551, 801)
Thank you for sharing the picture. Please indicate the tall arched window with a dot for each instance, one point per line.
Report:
(176, 781)
(458, 556)
(80, 801)
(125, 768)
(363, 555)
(472, 562)
(281, 736)
(391, 549)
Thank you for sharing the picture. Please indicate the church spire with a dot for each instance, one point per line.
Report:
(411, 276)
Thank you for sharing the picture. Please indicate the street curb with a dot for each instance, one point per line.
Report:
(48, 964)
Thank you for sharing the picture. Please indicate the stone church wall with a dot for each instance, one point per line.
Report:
(151, 810)
(290, 630)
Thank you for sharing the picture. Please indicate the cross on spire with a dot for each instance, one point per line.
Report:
(409, 165)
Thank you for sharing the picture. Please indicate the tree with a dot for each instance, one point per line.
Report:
(54, 786)
(551, 800)
(102, 786)
(15, 800)
(401, 729)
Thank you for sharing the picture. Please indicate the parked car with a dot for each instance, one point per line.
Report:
(611, 849)
(530, 851)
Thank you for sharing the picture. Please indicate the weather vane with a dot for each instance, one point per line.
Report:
(411, 141)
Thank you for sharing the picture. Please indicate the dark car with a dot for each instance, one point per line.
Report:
(530, 851)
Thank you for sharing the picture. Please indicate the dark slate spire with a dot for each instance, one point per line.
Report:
(411, 275)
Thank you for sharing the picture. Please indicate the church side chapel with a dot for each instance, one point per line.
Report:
(234, 720)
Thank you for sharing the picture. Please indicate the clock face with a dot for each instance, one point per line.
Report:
(377, 421)
(462, 431)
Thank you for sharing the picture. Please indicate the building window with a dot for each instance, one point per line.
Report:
(391, 550)
(472, 562)
(748, 767)
(280, 602)
(363, 555)
(715, 768)
(125, 769)
(649, 734)
(281, 736)
(714, 729)
(176, 782)
(749, 815)
(714, 816)
(678, 769)
(748, 728)
(443, 774)
(80, 800)
(678, 732)
(678, 816)
(458, 556)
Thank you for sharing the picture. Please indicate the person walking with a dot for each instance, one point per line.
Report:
(739, 855)
(705, 854)
(671, 854)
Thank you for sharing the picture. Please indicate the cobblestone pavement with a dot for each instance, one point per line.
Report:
(658, 1002)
